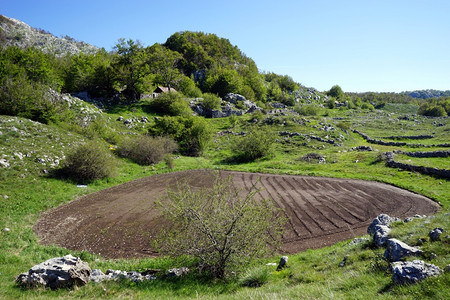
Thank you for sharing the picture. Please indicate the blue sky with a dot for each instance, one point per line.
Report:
(382, 45)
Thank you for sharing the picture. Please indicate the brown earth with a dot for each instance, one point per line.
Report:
(119, 222)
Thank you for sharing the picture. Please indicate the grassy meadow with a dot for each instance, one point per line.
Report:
(28, 187)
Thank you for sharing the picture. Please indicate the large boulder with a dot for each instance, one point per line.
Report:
(409, 272)
(396, 250)
(380, 235)
(379, 229)
(234, 98)
(58, 272)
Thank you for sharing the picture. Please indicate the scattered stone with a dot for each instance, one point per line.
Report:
(357, 241)
(177, 272)
(362, 148)
(58, 272)
(435, 234)
(343, 262)
(409, 219)
(282, 263)
(6, 229)
(421, 241)
(396, 250)
(98, 276)
(4, 163)
(411, 272)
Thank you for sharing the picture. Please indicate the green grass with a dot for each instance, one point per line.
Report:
(313, 274)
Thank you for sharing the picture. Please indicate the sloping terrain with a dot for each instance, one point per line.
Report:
(120, 221)
(14, 32)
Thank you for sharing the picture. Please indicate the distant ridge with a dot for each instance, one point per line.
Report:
(14, 32)
(426, 94)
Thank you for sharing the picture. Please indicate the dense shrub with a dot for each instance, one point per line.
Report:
(308, 109)
(432, 110)
(257, 143)
(172, 104)
(146, 150)
(210, 101)
(368, 106)
(187, 86)
(88, 162)
(192, 133)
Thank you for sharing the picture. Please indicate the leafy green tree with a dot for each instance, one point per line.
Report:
(336, 92)
(219, 226)
(163, 62)
(224, 81)
(131, 75)
(187, 86)
(91, 73)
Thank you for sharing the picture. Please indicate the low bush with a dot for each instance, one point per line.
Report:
(171, 103)
(192, 133)
(256, 144)
(146, 150)
(308, 110)
(88, 162)
(255, 277)
(210, 101)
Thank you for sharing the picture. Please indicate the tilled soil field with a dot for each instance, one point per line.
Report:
(119, 222)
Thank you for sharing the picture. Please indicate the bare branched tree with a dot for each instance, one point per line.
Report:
(222, 226)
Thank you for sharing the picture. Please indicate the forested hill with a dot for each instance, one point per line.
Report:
(193, 63)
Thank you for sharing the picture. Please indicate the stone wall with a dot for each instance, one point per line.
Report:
(442, 173)
(380, 142)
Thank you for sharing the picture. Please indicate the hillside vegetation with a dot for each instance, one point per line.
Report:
(54, 102)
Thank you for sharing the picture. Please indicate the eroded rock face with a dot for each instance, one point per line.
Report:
(58, 272)
(409, 272)
(396, 250)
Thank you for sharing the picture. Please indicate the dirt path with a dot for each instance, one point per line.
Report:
(119, 222)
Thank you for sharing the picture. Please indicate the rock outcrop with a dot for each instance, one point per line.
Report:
(17, 33)
(410, 272)
(379, 229)
(396, 250)
(58, 272)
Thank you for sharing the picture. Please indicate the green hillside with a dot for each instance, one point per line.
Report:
(51, 105)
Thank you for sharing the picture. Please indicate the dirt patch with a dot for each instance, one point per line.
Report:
(120, 221)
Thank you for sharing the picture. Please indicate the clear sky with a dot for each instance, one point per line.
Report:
(362, 45)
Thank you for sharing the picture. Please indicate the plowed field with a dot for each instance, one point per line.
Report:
(120, 221)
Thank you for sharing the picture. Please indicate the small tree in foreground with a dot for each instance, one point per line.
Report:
(220, 226)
